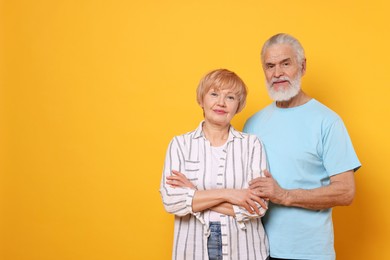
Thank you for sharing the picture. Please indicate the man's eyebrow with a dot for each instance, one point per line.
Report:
(282, 61)
(288, 59)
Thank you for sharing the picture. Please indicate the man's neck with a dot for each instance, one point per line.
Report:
(300, 99)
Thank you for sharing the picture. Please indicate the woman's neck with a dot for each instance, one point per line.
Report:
(217, 135)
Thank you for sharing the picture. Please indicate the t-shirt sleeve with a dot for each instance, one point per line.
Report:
(338, 154)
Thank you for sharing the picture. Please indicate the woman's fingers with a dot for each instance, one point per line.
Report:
(259, 200)
(249, 208)
(178, 173)
(178, 179)
(253, 206)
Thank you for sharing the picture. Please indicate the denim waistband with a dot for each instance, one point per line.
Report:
(215, 226)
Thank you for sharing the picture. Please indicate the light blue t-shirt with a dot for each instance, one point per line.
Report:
(305, 145)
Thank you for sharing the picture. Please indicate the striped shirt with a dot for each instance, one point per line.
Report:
(243, 236)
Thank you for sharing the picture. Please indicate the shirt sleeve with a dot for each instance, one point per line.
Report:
(338, 152)
(257, 165)
(242, 215)
(177, 201)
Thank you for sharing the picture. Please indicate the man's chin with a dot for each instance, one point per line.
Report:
(281, 99)
(285, 94)
(278, 97)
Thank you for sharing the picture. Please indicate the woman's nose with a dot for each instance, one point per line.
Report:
(221, 100)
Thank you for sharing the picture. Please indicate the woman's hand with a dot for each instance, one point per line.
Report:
(179, 180)
(246, 198)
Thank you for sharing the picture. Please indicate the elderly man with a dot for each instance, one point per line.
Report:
(311, 157)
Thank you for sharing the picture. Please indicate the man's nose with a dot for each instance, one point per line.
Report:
(278, 71)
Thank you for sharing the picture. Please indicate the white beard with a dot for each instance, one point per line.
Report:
(284, 94)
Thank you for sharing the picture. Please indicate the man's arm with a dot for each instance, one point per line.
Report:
(340, 192)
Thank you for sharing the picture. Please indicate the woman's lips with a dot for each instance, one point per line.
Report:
(221, 112)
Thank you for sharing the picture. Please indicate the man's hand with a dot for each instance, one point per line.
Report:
(267, 188)
(339, 192)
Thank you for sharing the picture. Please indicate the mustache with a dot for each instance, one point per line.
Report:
(284, 78)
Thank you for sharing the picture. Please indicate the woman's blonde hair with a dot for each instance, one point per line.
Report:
(222, 79)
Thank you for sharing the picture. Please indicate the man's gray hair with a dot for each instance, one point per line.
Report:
(283, 38)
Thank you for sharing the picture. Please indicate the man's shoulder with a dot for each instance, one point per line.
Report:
(261, 112)
(253, 122)
(322, 110)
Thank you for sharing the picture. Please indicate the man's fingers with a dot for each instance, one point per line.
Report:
(254, 181)
(255, 185)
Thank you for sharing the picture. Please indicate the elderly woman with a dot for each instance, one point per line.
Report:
(205, 179)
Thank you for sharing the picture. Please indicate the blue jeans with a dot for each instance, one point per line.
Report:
(214, 242)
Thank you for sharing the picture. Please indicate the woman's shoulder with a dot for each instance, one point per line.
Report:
(246, 136)
(184, 138)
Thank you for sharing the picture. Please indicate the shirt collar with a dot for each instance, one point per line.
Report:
(233, 133)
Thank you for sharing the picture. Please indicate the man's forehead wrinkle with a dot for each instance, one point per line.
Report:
(278, 53)
(275, 59)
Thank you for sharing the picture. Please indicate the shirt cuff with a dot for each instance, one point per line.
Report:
(240, 218)
(190, 197)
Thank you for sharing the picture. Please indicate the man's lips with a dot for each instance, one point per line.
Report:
(280, 82)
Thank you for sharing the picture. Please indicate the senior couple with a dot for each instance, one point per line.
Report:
(267, 192)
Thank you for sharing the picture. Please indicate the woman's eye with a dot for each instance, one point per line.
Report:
(213, 94)
(231, 97)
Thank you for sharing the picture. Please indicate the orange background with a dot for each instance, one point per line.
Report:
(91, 92)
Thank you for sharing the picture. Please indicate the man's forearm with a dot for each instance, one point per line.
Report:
(340, 192)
